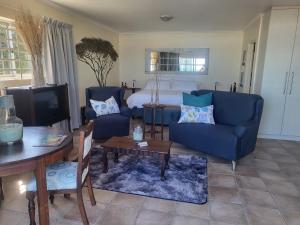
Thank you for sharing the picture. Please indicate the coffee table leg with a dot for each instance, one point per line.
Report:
(1, 190)
(116, 157)
(163, 168)
(105, 162)
(167, 157)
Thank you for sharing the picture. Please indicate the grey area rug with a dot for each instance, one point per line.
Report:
(186, 177)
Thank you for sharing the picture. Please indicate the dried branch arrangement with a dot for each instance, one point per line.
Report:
(99, 54)
(30, 29)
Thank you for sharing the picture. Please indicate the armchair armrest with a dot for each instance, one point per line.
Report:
(125, 111)
(90, 113)
(245, 129)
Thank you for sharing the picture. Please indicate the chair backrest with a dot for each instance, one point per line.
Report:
(84, 153)
(234, 108)
(104, 93)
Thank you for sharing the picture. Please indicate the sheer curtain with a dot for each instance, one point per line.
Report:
(60, 64)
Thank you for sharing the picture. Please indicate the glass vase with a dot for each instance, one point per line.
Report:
(11, 127)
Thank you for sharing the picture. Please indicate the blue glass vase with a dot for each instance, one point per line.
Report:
(11, 127)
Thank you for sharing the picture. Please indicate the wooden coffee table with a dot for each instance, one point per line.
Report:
(127, 145)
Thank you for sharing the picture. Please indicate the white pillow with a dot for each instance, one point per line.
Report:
(192, 114)
(103, 108)
(184, 86)
(162, 84)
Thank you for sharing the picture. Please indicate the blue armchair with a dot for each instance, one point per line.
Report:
(237, 117)
(110, 125)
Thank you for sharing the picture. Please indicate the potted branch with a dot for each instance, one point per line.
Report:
(99, 54)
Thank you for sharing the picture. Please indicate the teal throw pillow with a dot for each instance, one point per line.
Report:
(197, 101)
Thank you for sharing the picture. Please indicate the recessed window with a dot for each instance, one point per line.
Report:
(187, 60)
(15, 62)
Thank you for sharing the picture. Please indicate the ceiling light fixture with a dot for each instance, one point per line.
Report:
(166, 18)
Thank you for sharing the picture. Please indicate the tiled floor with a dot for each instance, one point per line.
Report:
(264, 190)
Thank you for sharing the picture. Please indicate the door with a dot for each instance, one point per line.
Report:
(249, 68)
(291, 122)
(280, 43)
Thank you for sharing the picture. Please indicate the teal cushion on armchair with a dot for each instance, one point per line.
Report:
(197, 101)
(60, 176)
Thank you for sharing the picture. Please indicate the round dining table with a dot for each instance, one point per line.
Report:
(31, 154)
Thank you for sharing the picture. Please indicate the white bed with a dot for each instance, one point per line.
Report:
(170, 92)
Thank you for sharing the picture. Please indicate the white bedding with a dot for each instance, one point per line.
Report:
(170, 97)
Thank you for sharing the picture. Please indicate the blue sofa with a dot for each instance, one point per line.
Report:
(110, 125)
(237, 117)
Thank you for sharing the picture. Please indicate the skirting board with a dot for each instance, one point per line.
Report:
(279, 137)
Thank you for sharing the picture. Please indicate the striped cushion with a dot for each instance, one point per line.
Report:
(60, 176)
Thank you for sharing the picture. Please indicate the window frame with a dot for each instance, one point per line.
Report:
(14, 47)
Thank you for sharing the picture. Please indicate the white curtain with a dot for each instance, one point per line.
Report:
(60, 65)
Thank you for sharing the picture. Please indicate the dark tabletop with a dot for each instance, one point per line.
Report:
(26, 150)
(126, 142)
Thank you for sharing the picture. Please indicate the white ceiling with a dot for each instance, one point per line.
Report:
(189, 15)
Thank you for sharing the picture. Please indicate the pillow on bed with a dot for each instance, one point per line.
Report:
(163, 84)
(184, 86)
(103, 108)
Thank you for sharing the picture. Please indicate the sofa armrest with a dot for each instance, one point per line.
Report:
(125, 111)
(246, 129)
(90, 114)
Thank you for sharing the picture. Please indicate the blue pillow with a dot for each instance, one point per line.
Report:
(197, 101)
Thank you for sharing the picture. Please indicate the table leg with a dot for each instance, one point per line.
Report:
(42, 194)
(163, 168)
(105, 161)
(167, 157)
(153, 123)
(162, 123)
(116, 157)
(1, 190)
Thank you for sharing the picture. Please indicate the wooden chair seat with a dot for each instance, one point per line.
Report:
(67, 177)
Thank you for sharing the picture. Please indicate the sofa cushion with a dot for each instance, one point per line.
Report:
(216, 139)
(104, 93)
(197, 101)
(232, 108)
(110, 125)
(191, 114)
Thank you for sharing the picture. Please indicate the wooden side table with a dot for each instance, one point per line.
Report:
(154, 108)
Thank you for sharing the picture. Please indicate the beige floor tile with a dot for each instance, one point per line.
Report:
(251, 182)
(221, 180)
(159, 205)
(276, 150)
(8, 217)
(185, 220)
(266, 164)
(227, 213)
(283, 188)
(264, 216)
(226, 195)
(94, 213)
(220, 168)
(292, 220)
(258, 198)
(288, 205)
(262, 155)
(151, 217)
(272, 175)
(194, 210)
(128, 200)
(101, 196)
(116, 215)
(246, 170)
(284, 159)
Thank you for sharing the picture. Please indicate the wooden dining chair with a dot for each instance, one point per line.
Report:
(68, 177)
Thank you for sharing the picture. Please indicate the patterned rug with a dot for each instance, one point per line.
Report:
(186, 177)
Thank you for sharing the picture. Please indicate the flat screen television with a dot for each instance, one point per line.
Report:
(41, 106)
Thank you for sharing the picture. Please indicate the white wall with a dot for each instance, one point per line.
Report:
(82, 27)
(225, 54)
